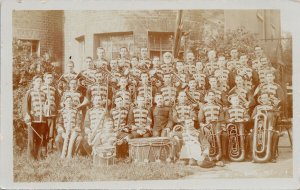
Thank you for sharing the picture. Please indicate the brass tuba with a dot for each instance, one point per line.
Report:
(236, 145)
(262, 136)
(214, 140)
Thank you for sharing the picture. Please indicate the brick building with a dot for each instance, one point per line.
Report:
(44, 29)
(79, 33)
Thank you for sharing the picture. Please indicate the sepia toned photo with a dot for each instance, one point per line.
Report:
(172, 95)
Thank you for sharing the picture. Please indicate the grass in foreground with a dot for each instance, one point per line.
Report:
(79, 169)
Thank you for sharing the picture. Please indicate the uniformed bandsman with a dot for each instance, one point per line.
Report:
(189, 66)
(93, 122)
(145, 62)
(212, 64)
(35, 119)
(145, 89)
(50, 107)
(238, 115)
(212, 114)
(267, 107)
(220, 97)
(124, 92)
(120, 116)
(246, 96)
(140, 119)
(123, 61)
(100, 88)
(101, 62)
(69, 129)
(162, 123)
(234, 62)
(222, 74)
(168, 90)
(156, 74)
(87, 76)
(167, 64)
(273, 89)
(65, 78)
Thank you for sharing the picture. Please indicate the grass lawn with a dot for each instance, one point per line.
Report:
(80, 169)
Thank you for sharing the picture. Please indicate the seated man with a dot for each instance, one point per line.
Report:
(162, 123)
(68, 128)
(139, 119)
(93, 122)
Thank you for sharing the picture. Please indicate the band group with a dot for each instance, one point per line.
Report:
(213, 108)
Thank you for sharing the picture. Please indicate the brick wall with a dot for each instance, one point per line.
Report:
(89, 23)
(45, 26)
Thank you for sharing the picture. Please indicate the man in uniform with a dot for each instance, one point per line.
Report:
(233, 63)
(69, 129)
(145, 89)
(211, 114)
(101, 62)
(123, 61)
(145, 62)
(189, 67)
(65, 78)
(120, 116)
(162, 123)
(222, 74)
(237, 115)
(140, 119)
(50, 107)
(167, 64)
(35, 119)
(168, 90)
(87, 76)
(211, 65)
(93, 123)
(123, 92)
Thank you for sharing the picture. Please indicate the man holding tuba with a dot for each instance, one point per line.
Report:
(210, 118)
(235, 116)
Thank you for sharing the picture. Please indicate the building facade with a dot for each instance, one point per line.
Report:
(77, 34)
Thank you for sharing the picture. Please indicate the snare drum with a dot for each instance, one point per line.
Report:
(153, 149)
(104, 155)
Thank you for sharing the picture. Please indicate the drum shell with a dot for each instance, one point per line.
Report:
(104, 155)
(150, 149)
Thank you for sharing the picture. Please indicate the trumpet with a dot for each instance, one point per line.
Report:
(262, 136)
(236, 147)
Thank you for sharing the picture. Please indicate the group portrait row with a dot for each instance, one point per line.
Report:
(198, 111)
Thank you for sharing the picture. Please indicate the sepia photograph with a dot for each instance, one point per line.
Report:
(159, 94)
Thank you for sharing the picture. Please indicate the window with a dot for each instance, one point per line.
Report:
(112, 42)
(33, 46)
(80, 50)
(159, 43)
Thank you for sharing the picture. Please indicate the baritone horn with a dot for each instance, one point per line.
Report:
(262, 136)
(214, 140)
(236, 145)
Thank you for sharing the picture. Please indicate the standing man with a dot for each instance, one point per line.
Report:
(101, 62)
(35, 119)
(123, 61)
(145, 62)
(51, 106)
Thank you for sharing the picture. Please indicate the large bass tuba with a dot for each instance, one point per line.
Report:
(262, 136)
(236, 145)
(214, 140)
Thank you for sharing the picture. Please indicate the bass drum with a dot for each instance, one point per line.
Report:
(153, 149)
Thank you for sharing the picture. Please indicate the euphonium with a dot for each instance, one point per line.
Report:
(214, 140)
(262, 136)
(236, 145)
